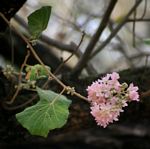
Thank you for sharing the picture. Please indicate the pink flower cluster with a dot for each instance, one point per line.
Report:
(108, 96)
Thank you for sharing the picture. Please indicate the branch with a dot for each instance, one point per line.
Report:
(102, 46)
(19, 79)
(70, 48)
(145, 9)
(134, 27)
(139, 20)
(67, 88)
(65, 47)
(65, 61)
(85, 57)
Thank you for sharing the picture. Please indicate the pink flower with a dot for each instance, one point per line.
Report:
(108, 97)
(105, 113)
(115, 76)
(114, 81)
(94, 93)
(106, 78)
(133, 94)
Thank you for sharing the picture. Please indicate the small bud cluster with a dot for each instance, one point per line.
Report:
(70, 90)
(108, 97)
(27, 85)
(8, 71)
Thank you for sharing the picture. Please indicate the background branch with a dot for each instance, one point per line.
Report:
(85, 57)
(115, 31)
(47, 40)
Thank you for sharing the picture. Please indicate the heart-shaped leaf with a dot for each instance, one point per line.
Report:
(49, 113)
(38, 21)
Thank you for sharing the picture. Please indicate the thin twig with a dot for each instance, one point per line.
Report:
(134, 26)
(39, 60)
(61, 65)
(139, 20)
(65, 61)
(19, 79)
(85, 57)
(134, 22)
(19, 106)
(59, 45)
(121, 46)
(12, 47)
(145, 9)
(115, 31)
(48, 40)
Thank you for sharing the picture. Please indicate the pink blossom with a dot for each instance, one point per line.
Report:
(114, 81)
(115, 76)
(105, 114)
(124, 103)
(108, 97)
(133, 94)
(94, 93)
(106, 78)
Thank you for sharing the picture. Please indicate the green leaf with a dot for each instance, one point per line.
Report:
(36, 72)
(147, 41)
(49, 113)
(38, 21)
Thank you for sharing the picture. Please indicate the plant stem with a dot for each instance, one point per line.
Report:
(39, 60)
(19, 79)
